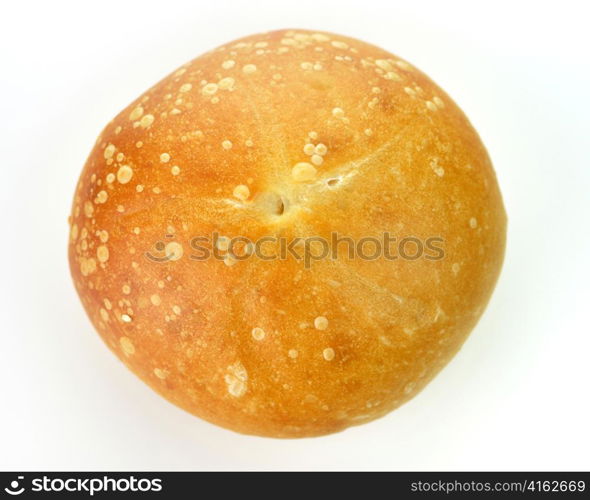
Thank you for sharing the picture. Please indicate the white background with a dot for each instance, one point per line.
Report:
(515, 397)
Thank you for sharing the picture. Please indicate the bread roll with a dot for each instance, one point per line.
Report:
(298, 136)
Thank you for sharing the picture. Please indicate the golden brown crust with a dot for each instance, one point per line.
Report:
(270, 347)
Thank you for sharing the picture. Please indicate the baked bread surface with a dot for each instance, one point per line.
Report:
(289, 134)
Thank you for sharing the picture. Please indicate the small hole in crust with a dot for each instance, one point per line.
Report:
(332, 182)
(272, 203)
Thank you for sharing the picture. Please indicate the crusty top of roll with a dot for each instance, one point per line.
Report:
(298, 134)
